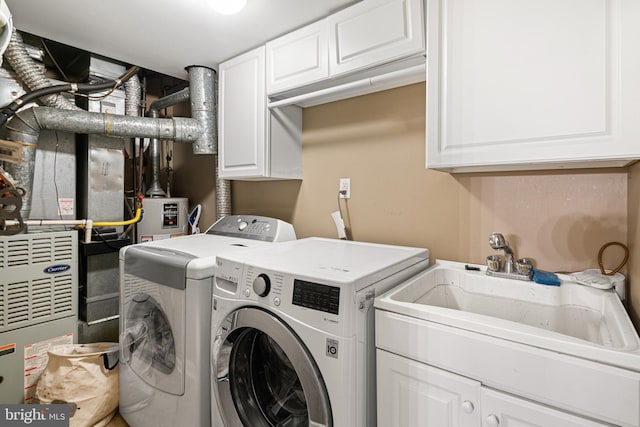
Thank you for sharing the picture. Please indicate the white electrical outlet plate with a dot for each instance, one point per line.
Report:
(345, 185)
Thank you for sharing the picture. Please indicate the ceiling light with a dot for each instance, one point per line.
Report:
(227, 7)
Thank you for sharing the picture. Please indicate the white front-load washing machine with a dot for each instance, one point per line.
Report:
(165, 315)
(293, 332)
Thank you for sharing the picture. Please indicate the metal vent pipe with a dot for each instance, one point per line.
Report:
(31, 74)
(207, 110)
(26, 126)
(155, 190)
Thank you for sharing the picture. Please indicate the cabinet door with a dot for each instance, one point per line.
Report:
(504, 410)
(413, 394)
(374, 32)
(532, 84)
(298, 58)
(242, 116)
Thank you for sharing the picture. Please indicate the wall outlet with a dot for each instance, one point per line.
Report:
(345, 185)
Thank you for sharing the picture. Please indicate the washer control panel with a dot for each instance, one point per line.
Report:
(269, 288)
(324, 305)
(316, 296)
(266, 287)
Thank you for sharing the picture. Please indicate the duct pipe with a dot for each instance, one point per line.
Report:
(203, 106)
(132, 93)
(155, 190)
(223, 186)
(25, 127)
(223, 194)
(31, 74)
(36, 119)
(169, 100)
(133, 97)
(203, 82)
(132, 100)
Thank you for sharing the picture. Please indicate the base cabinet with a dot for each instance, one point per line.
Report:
(412, 394)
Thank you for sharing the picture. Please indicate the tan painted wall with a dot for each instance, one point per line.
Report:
(560, 219)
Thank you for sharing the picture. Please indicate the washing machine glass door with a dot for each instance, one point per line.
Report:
(150, 345)
(264, 374)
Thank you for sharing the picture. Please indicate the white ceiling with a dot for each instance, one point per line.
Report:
(164, 35)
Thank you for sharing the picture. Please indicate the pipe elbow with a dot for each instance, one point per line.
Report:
(24, 126)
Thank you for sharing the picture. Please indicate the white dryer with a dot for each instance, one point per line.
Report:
(165, 312)
(293, 327)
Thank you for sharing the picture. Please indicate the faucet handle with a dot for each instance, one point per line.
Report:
(494, 263)
(524, 266)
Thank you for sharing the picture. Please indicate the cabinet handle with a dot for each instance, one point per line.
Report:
(492, 421)
(467, 407)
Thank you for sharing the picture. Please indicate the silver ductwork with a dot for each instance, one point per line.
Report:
(223, 195)
(132, 92)
(155, 190)
(203, 82)
(203, 108)
(26, 126)
(31, 73)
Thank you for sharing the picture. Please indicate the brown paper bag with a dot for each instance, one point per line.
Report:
(85, 376)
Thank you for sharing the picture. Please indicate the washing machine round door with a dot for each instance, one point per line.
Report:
(263, 375)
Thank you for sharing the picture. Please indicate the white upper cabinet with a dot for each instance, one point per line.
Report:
(343, 54)
(532, 84)
(254, 142)
(298, 58)
(374, 32)
(242, 115)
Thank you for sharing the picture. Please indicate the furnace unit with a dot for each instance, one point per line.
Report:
(38, 306)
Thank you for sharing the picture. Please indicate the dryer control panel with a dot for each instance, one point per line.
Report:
(253, 227)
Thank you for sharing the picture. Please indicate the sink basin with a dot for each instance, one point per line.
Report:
(568, 310)
(570, 318)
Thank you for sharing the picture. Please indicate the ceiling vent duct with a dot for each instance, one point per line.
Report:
(6, 27)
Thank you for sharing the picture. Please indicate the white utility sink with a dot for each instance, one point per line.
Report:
(570, 351)
(570, 318)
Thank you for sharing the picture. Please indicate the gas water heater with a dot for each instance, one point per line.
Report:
(163, 218)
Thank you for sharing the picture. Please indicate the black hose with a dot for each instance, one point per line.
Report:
(7, 112)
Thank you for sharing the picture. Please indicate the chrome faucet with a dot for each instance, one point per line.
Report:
(521, 269)
(497, 242)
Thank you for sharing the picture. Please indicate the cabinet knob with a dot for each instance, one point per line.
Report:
(492, 421)
(467, 407)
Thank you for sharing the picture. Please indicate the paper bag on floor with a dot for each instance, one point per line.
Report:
(85, 376)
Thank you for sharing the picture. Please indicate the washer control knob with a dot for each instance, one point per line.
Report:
(276, 301)
(247, 292)
(262, 285)
(242, 225)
